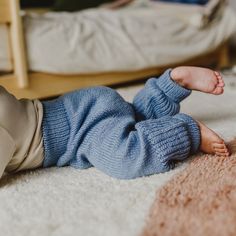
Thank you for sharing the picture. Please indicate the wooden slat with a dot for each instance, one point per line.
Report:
(44, 85)
(18, 45)
(5, 16)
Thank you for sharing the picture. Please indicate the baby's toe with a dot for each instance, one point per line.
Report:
(219, 144)
(220, 153)
(220, 150)
(226, 154)
(221, 83)
(219, 77)
(218, 90)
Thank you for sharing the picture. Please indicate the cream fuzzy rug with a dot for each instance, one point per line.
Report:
(65, 201)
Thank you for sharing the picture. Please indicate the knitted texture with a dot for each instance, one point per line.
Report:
(159, 97)
(96, 127)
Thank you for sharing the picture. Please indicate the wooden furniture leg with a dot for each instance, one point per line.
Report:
(223, 58)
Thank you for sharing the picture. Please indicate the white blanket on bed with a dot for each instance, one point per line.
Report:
(99, 40)
(5, 58)
(192, 14)
(103, 40)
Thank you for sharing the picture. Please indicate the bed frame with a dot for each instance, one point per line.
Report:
(24, 83)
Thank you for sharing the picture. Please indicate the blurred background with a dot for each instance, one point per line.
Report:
(233, 41)
(113, 41)
(73, 5)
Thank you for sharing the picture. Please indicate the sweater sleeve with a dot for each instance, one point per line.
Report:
(160, 97)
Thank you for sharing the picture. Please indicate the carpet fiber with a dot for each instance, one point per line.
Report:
(201, 200)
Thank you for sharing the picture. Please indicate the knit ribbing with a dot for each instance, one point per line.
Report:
(171, 89)
(160, 97)
(56, 130)
(169, 141)
(193, 129)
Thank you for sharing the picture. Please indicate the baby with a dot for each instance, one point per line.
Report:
(96, 127)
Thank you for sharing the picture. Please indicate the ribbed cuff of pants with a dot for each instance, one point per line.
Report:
(169, 139)
(193, 129)
(173, 90)
(55, 130)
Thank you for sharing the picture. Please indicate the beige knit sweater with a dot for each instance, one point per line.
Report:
(21, 143)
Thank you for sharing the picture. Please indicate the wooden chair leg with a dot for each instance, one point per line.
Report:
(223, 58)
(18, 46)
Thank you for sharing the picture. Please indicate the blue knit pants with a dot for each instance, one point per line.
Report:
(97, 127)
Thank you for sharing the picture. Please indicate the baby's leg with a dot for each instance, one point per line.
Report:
(125, 150)
(161, 96)
(96, 127)
(151, 146)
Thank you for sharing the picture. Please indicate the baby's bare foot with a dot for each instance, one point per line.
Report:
(211, 143)
(198, 78)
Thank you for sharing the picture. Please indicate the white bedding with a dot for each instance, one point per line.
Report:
(5, 59)
(102, 40)
(192, 14)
